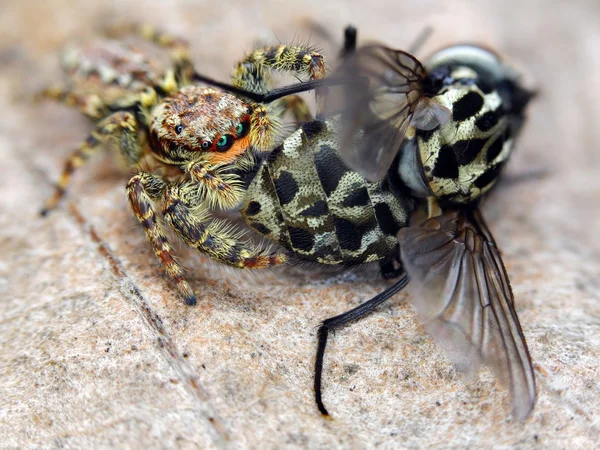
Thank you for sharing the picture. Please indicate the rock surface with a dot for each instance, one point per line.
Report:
(97, 350)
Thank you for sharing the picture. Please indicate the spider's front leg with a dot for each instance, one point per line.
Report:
(120, 127)
(188, 215)
(252, 73)
(143, 190)
(216, 184)
(186, 210)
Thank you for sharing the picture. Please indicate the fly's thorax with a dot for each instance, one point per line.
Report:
(461, 160)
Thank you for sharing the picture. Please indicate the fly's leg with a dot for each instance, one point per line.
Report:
(252, 72)
(391, 267)
(343, 319)
(350, 36)
(217, 239)
(142, 190)
(121, 128)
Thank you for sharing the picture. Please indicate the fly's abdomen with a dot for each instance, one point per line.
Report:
(307, 200)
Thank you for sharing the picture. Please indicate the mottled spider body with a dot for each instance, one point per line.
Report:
(106, 75)
(191, 142)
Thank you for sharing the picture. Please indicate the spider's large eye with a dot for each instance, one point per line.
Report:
(224, 143)
(242, 128)
(178, 129)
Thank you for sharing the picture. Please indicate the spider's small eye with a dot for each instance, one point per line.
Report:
(224, 143)
(242, 128)
(178, 129)
(205, 145)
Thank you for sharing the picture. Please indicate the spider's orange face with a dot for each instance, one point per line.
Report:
(200, 119)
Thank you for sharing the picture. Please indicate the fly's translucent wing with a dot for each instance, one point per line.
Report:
(381, 110)
(429, 114)
(465, 299)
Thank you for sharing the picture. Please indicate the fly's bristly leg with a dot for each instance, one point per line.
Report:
(343, 319)
(350, 38)
(143, 190)
(188, 216)
(121, 127)
(391, 268)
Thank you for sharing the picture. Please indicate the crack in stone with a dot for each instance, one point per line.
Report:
(185, 371)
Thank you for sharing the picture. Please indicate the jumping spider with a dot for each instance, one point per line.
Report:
(190, 141)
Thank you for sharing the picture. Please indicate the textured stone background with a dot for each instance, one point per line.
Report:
(96, 349)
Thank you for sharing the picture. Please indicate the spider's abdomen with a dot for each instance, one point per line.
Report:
(307, 200)
(111, 71)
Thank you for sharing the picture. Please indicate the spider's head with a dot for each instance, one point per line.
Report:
(199, 120)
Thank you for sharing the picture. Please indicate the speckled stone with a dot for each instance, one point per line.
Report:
(98, 352)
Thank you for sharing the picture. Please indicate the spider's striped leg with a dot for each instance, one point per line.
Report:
(119, 129)
(298, 107)
(184, 212)
(89, 104)
(143, 190)
(251, 73)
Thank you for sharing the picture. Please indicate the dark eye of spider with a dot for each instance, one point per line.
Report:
(205, 145)
(242, 129)
(224, 143)
(178, 129)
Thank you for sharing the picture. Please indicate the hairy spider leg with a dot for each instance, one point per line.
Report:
(142, 190)
(89, 104)
(218, 239)
(121, 126)
(251, 73)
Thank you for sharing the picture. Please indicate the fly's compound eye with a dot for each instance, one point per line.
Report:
(178, 129)
(224, 143)
(242, 129)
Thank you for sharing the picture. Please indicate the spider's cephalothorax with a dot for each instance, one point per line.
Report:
(191, 142)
